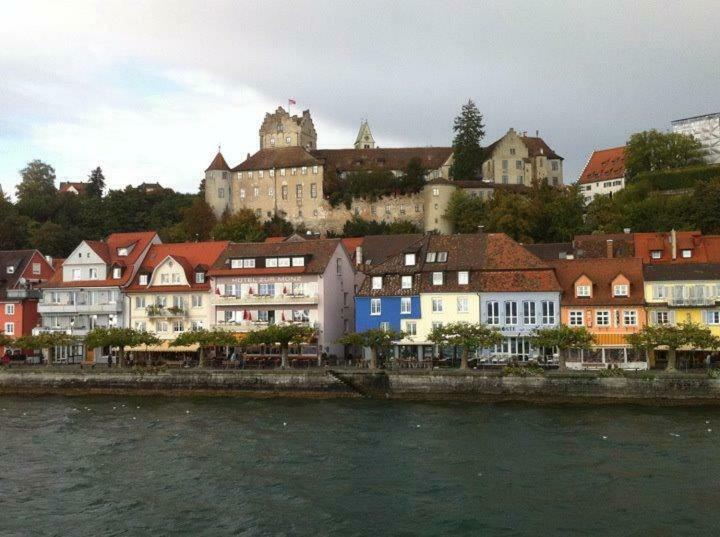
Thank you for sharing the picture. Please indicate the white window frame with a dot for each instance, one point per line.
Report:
(576, 318)
(377, 283)
(76, 274)
(10, 328)
(410, 260)
(511, 312)
(656, 254)
(411, 328)
(405, 305)
(197, 301)
(463, 304)
(583, 291)
(621, 289)
(9, 309)
(529, 312)
(602, 318)
(548, 317)
(492, 312)
(630, 315)
(686, 253)
(437, 278)
(463, 277)
(375, 306)
(437, 304)
(406, 282)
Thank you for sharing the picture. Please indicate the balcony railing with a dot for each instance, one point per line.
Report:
(692, 302)
(265, 299)
(172, 311)
(249, 326)
(22, 294)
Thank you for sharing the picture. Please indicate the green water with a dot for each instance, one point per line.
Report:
(102, 466)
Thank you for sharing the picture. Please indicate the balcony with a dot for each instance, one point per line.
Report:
(256, 299)
(172, 312)
(690, 302)
(75, 307)
(250, 326)
(22, 294)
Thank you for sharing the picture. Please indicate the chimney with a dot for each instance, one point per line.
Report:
(49, 259)
(609, 248)
(537, 133)
(358, 255)
(673, 243)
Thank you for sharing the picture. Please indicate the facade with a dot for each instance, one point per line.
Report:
(86, 291)
(21, 272)
(437, 279)
(604, 173)
(706, 130)
(520, 159)
(606, 296)
(304, 282)
(170, 293)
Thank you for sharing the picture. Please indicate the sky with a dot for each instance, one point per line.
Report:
(148, 90)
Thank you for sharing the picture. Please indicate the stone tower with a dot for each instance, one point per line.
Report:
(280, 129)
(364, 138)
(217, 185)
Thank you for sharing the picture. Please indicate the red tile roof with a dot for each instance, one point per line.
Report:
(604, 164)
(280, 157)
(537, 147)
(78, 185)
(385, 158)
(218, 163)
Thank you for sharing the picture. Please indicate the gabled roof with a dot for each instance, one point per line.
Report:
(318, 253)
(604, 164)
(601, 272)
(18, 260)
(378, 248)
(189, 255)
(537, 147)
(682, 272)
(218, 163)
(79, 186)
(280, 157)
(386, 158)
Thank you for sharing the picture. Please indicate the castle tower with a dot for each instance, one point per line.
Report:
(217, 185)
(364, 138)
(280, 129)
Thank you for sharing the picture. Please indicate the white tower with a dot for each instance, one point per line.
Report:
(365, 138)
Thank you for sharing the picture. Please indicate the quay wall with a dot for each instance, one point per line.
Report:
(407, 385)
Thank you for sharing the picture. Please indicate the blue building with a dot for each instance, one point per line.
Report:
(386, 312)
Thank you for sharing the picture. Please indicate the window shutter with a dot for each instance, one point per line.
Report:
(653, 317)
(671, 317)
(704, 316)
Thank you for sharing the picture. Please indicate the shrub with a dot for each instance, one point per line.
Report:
(530, 370)
(678, 178)
(615, 372)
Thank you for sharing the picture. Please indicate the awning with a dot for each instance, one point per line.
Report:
(164, 347)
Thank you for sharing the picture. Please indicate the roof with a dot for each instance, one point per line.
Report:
(646, 243)
(280, 157)
(218, 163)
(550, 251)
(190, 255)
(317, 253)
(77, 185)
(18, 259)
(682, 272)
(601, 272)
(378, 248)
(595, 245)
(696, 118)
(107, 250)
(386, 158)
(494, 261)
(604, 164)
(536, 147)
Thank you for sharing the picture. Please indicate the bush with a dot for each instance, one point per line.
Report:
(615, 372)
(714, 374)
(678, 178)
(529, 370)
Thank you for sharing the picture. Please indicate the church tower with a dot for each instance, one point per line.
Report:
(218, 189)
(364, 138)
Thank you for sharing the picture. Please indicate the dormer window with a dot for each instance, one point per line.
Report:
(298, 261)
(620, 290)
(687, 254)
(409, 260)
(199, 277)
(431, 257)
(122, 252)
(656, 254)
(143, 279)
(117, 272)
(463, 277)
(442, 257)
(437, 278)
(10, 270)
(582, 291)
(377, 283)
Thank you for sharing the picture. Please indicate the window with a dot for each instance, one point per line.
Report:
(463, 277)
(261, 174)
(242, 193)
(385, 326)
(315, 170)
(298, 191)
(492, 310)
(436, 191)
(143, 279)
(505, 179)
(197, 301)
(377, 282)
(602, 318)
(437, 278)
(196, 325)
(301, 316)
(405, 305)
(512, 150)
(76, 274)
(462, 305)
(313, 190)
(298, 261)
(10, 329)
(431, 257)
(411, 328)
(139, 302)
(9, 309)
(199, 277)
(284, 192)
(221, 192)
(283, 261)
(437, 305)
(504, 165)
(116, 273)
(140, 325)
(713, 317)
(303, 170)
(620, 290)
(176, 278)
(409, 260)
(406, 282)
(510, 312)
(582, 290)
(687, 253)
(519, 179)
(161, 301)
(256, 191)
(436, 324)
(548, 312)
(662, 317)
(93, 273)
(271, 191)
(298, 289)
(554, 165)
(529, 312)
(164, 278)
(375, 308)
(36, 268)
(660, 291)
(576, 318)
(178, 326)
(656, 254)
(630, 318)
(442, 257)
(162, 326)
(271, 262)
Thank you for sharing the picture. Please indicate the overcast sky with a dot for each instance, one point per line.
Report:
(148, 90)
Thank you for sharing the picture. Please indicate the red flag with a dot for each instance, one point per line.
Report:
(291, 101)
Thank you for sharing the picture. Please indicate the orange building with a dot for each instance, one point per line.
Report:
(606, 296)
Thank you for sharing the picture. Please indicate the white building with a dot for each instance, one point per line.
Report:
(706, 130)
(604, 174)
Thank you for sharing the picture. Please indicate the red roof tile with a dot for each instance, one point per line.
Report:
(604, 164)
(218, 163)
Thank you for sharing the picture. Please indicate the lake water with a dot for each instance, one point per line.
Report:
(159, 466)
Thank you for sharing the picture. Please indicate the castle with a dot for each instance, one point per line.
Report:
(288, 176)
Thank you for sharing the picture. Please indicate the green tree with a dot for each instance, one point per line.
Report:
(243, 226)
(198, 221)
(413, 180)
(705, 206)
(47, 340)
(467, 152)
(36, 191)
(120, 338)
(283, 335)
(467, 337)
(691, 335)
(512, 214)
(563, 338)
(277, 226)
(465, 212)
(653, 150)
(557, 213)
(97, 183)
(376, 340)
(53, 239)
(205, 338)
